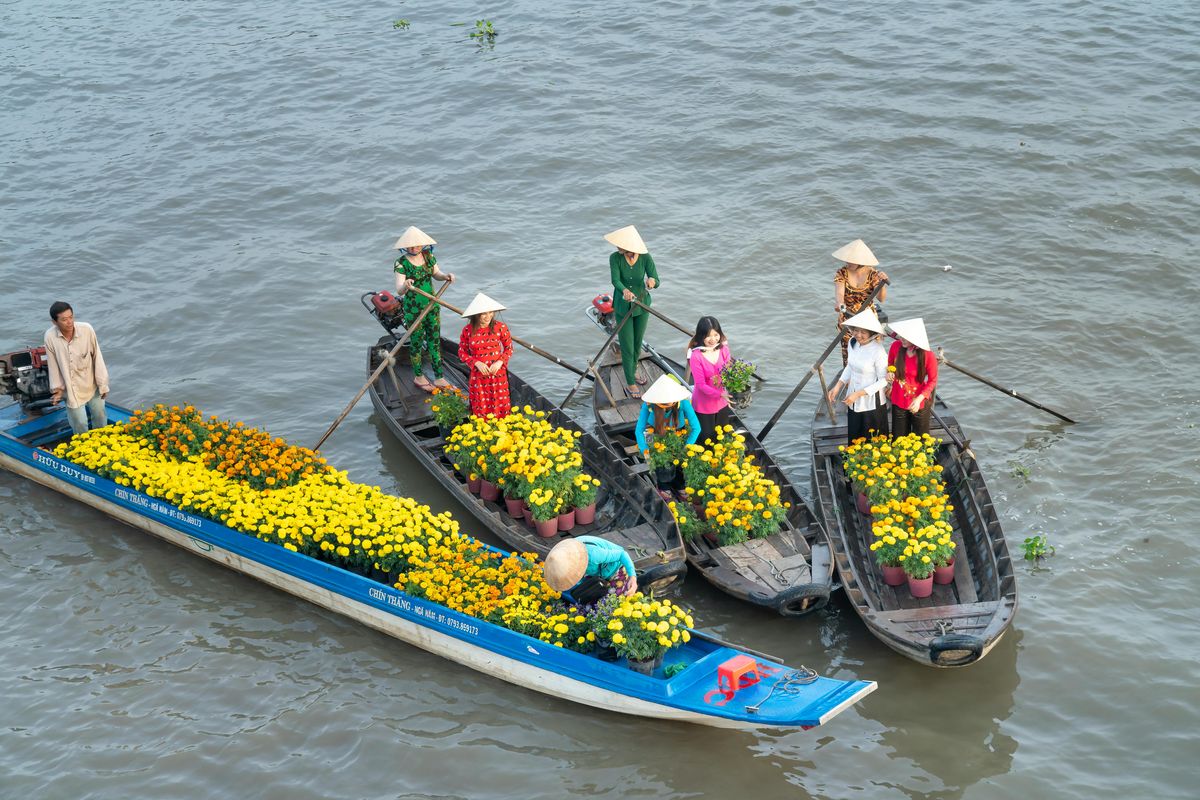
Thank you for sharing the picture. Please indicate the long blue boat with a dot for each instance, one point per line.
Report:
(714, 686)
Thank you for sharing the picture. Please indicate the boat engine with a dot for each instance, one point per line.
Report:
(25, 376)
(601, 312)
(385, 307)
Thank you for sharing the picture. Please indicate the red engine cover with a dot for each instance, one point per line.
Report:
(603, 303)
(385, 302)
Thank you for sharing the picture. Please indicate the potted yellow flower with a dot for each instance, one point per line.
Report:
(450, 407)
(545, 506)
(583, 496)
(643, 629)
(665, 451)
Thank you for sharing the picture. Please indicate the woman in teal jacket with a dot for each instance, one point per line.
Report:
(667, 404)
(633, 276)
(589, 568)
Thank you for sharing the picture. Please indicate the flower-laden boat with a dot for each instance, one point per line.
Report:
(962, 619)
(628, 512)
(280, 514)
(791, 569)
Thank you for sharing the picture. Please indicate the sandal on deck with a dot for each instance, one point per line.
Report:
(633, 392)
(424, 385)
(442, 383)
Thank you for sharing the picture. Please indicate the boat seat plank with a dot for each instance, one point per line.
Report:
(641, 540)
(963, 581)
(760, 557)
(931, 613)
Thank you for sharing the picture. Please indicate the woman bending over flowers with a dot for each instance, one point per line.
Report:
(590, 568)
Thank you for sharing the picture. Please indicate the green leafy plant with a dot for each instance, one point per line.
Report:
(401, 25)
(484, 31)
(666, 448)
(449, 406)
(736, 376)
(1036, 548)
(1019, 470)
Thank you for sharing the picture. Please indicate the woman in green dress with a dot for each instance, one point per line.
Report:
(417, 267)
(633, 276)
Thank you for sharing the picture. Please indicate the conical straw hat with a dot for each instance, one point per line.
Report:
(866, 320)
(912, 331)
(565, 564)
(666, 390)
(627, 238)
(413, 237)
(480, 304)
(856, 252)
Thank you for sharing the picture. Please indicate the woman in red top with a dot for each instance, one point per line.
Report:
(914, 380)
(484, 346)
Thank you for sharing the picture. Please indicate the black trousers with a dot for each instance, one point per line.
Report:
(905, 422)
(710, 422)
(860, 424)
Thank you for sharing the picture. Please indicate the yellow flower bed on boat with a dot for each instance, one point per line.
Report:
(909, 504)
(325, 515)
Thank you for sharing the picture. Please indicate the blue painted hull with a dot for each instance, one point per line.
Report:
(688, 696)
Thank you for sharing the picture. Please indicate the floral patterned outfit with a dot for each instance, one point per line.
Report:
(853, 297)
(426, 340)
(489, 393)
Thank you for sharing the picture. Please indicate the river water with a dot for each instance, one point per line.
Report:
(213, 184)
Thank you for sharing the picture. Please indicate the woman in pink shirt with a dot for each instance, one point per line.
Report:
(708, 353)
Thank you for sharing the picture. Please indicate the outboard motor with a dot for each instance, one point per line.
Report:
(25, 376)
(385, 308)
(601, 312)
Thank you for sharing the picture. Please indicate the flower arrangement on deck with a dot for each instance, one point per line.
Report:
(908, 501)
(641, 628)
(732, 498)
(524, 454)
(220, 471)
(449, 406)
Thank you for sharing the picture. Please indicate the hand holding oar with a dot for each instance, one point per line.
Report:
(384, 363)
(941, 356)
(680, 328)
(522, 342)
(813, 369)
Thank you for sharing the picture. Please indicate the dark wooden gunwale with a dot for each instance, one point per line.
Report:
(961, 621)
(627, 513)
(755, 579)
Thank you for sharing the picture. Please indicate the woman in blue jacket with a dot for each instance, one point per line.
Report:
(590, 568)
(667, 404)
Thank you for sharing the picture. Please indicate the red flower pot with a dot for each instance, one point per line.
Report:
(514, 506)
(547, 529)
(473, 486)
(944, 575)
(566, 521)
(893, 576)
(489, 491)
(587, 514)
(864, 504)
(527, 514)
(920, 587)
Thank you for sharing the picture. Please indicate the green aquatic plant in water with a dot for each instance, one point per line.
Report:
(401, 24)
(1037, 548)
(484, 32)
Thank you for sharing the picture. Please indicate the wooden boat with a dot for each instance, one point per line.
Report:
(780, 698)
(790, 571)
(961, 621)
(627, 512)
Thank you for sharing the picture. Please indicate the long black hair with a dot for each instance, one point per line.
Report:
(704, 327)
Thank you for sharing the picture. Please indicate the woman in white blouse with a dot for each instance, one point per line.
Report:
(864, 377)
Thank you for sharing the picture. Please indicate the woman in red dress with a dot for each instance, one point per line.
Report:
(484, 346)
(914, 379)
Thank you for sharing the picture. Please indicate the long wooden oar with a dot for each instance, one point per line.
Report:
(813, 369)
(384, 364)
(592, 364)
(941, 356)
(681, 329)
(522, 342)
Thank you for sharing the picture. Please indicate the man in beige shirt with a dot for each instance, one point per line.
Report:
(77, 369)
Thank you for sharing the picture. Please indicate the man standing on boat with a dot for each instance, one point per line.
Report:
(77, 369)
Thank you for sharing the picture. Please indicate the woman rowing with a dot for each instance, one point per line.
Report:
(416, 268)
(666, 406)
(589, 568)
(865, 378)
(484, 347)
(853, 283)
(913, 370)
(633, 276)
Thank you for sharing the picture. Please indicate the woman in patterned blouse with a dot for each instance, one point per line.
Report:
(853, 283)
(484, 346)
(417, 267)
